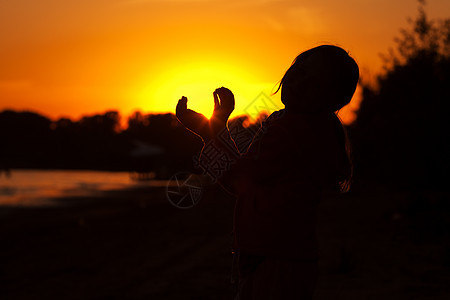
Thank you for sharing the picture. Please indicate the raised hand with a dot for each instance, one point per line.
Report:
(223, 107)
(194, 121)
(223, 103)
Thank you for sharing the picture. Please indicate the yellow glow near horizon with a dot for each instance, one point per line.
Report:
(197, 80)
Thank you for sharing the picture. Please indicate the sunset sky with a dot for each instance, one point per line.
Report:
(74, 57)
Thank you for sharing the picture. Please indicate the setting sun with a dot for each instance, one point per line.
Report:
(70, 58)
(197, 79)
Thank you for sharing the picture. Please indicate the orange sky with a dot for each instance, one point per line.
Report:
(74, 57)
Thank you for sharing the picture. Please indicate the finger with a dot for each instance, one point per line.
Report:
(183, 101)
(226, 90)
(182, 104)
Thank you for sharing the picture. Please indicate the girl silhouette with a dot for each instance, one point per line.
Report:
(301, 152)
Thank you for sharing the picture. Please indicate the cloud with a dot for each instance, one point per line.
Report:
(138, 2)
(14, 84)
(305, 20)
(252, 2)
(274, 24)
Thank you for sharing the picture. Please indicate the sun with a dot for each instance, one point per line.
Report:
(197, 79)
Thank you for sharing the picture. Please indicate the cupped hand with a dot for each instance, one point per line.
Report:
(194, 121)
(223, 103)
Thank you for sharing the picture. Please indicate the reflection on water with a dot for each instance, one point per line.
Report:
(37, 187)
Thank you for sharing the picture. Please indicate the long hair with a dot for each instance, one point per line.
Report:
(345, 178)
(331, 75)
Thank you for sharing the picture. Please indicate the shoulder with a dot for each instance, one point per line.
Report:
(286, 123)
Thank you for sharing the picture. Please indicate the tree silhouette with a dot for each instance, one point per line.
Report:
(24, 137)
(401, 133)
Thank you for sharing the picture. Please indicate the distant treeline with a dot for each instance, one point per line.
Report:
(29, 140)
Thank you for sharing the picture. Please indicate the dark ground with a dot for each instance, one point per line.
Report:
(135, 245)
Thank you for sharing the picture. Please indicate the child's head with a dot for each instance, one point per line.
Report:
(320, 79)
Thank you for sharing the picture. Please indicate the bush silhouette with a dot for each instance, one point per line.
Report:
(401, 134)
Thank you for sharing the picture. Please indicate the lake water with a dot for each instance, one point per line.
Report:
(36, 187)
